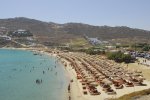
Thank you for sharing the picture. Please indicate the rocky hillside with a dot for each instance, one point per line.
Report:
(48, 31)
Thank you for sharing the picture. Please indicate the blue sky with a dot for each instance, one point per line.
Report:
(132, 13)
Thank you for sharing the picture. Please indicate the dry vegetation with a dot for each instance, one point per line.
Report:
(79, 42)
(64, 32)
(134, 95)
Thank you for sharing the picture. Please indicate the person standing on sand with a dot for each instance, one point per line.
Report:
(69, 88)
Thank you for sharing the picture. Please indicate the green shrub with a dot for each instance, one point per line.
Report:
(93, 51)
(146, 48)
(119, 57)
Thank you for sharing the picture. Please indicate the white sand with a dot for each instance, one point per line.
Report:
(77, 91)
(76, 87)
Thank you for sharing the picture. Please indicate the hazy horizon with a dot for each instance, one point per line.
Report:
(134, 14)
(75, 22)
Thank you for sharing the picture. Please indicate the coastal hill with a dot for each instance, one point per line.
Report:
(54, 32)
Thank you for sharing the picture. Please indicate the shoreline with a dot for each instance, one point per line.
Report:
(76, 87)
(102, 96)
(75, 92)
(81, 96)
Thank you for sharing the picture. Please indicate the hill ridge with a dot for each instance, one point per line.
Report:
(67, 31)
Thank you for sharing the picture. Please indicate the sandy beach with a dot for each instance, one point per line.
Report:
(76, 89)
(141, 67)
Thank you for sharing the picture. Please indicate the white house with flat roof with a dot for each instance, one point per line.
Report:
(5, 37)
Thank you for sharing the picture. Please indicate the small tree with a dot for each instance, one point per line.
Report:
(146, 48)
(119, 57)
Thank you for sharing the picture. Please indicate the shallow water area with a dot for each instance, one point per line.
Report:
(19, 70)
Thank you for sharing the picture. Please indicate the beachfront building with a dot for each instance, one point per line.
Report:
(4, 37)
(94, 41)
(21, 33)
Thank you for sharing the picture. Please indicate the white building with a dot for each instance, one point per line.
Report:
(5, 37)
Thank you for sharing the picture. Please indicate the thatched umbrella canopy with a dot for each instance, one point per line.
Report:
(91, 80)
(137, 74)
(94, 83)
(98, 75)
(106, 81)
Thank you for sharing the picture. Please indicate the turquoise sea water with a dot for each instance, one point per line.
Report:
(18, 73)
